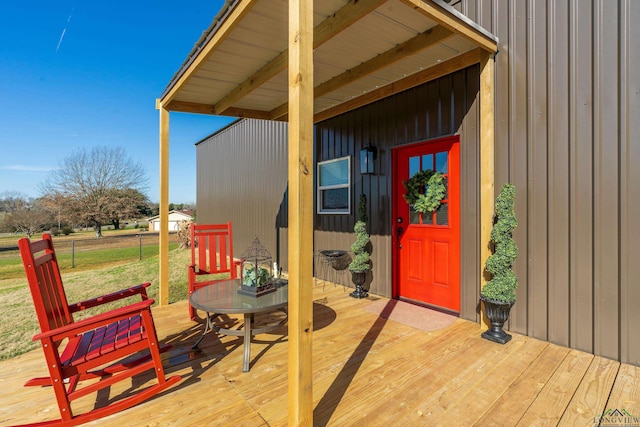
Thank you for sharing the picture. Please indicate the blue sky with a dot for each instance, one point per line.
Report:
(77, 73)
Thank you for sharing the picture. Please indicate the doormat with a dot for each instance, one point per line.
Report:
(411, 315)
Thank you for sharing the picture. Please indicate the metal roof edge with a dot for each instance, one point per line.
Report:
(222, 129)
(466, 19)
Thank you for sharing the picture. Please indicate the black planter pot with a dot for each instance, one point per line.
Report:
(358, 278)
(498, 314)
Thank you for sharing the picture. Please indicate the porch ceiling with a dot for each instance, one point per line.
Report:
(364, 50)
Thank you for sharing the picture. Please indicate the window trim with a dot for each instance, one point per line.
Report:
(320, 188)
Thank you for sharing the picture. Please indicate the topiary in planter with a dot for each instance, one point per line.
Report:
(361, 258)
(499, 294)
(503, 283)
(361, 263)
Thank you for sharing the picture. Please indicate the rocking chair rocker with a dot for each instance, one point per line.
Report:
(108, 347)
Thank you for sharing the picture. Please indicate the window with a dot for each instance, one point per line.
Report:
(334, 186)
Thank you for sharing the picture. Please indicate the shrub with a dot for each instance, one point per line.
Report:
(361, 259)
(504, 282)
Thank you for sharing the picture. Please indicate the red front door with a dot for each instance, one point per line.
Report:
(426, 254)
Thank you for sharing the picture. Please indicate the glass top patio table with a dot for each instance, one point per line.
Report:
(223, 298)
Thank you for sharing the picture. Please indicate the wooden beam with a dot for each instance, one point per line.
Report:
(163, 259)
(343, 19)
(442, 69)
(300, 240)
(460, 26)
(190, 107)
(330, 27)
(399, 52)
(487, 163)
(196, 108)
(240, 10)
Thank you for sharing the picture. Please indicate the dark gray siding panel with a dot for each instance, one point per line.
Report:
(558, 184)
(580, 176)
(242, 177)
(466, 87)
(629, 179)
(567, 89)
(605, 174)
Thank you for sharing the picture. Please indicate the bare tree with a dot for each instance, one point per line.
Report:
(125, 204)
(55, 204)
(29, 218)
(10, 201)
(95, 183)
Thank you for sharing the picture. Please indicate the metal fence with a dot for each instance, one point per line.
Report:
(84, 252)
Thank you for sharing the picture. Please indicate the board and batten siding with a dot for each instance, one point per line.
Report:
(568, 136)
(441, 107)
(242, 178)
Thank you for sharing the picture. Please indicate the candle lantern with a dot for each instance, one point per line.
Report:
(257, 275)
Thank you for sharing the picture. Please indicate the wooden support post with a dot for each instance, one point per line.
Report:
(300, 211)
(487, 159)
(163, 260)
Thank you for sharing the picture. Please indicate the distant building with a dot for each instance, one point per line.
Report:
(174, 220)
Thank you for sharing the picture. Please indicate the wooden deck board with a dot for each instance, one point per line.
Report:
(367, 370)
(625, 393)
(551, 402)
(592, 394)
(475, 399)
(511, 405)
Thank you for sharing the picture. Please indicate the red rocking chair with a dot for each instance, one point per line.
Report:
(92, 348)
(211, 256)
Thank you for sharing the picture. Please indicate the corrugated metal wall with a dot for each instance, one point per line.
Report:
(443, 107)
(568, 137)
(242, 177)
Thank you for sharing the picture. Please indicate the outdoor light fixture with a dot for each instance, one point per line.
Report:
(367, 160)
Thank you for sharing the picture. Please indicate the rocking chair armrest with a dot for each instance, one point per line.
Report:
(95, 321)
(123, 293)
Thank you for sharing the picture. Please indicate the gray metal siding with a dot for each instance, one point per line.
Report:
(242, 177)
(568, 137)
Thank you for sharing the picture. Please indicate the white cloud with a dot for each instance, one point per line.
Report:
(24, 168)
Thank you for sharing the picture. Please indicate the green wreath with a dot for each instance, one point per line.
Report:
(436, 189)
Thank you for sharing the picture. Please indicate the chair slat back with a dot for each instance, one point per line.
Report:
(212, 248)
(45, 283)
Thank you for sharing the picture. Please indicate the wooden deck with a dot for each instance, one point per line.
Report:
(368, 370)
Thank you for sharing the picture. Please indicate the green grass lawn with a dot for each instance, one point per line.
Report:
(82, 251)
(18, 318)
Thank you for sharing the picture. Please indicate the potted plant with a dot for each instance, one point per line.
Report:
(361, 263)
(499, 294)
